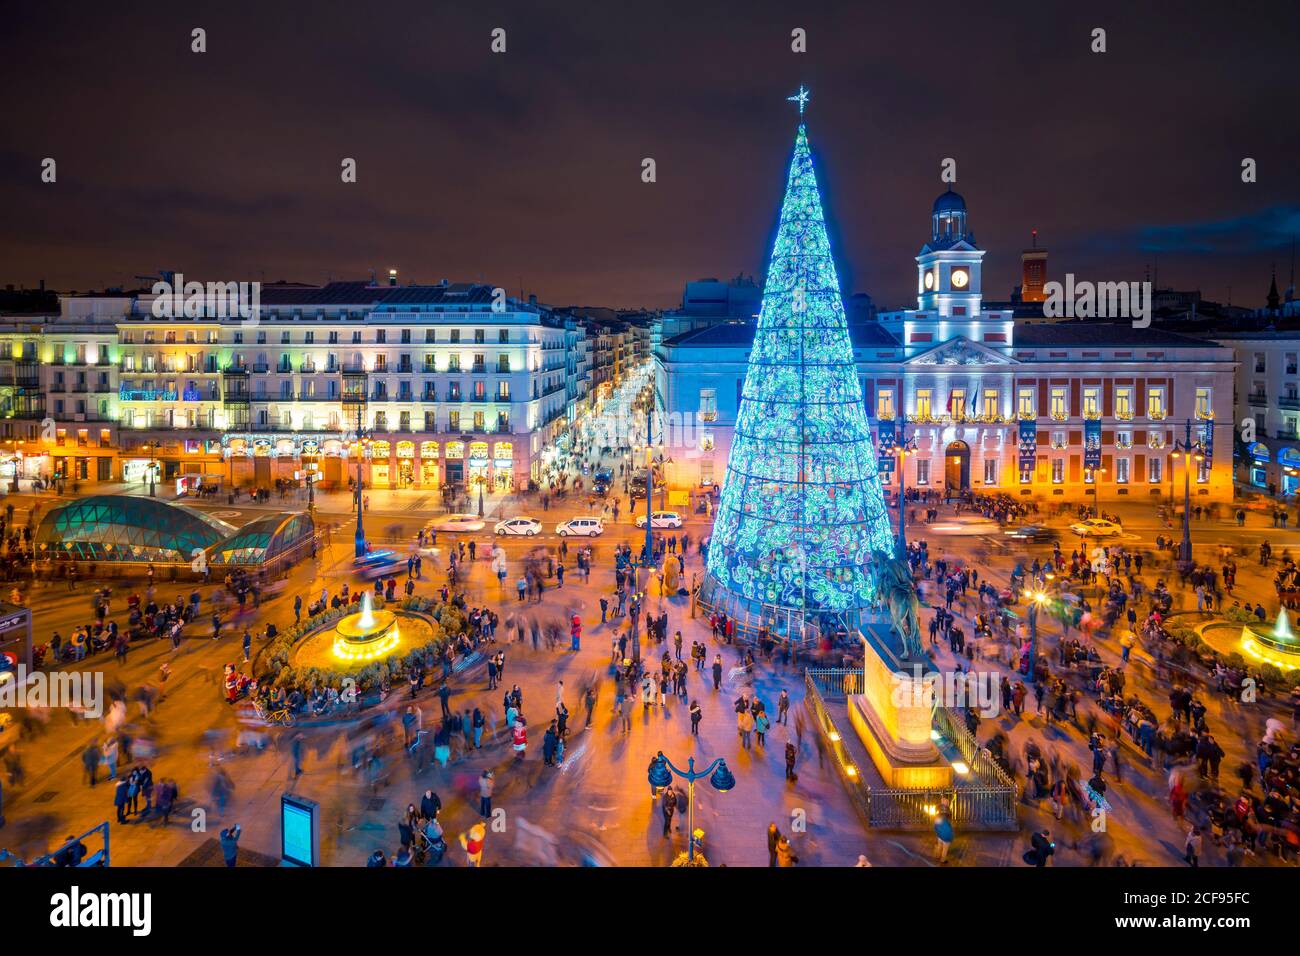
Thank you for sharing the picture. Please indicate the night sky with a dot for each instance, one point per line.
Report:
(523, 169)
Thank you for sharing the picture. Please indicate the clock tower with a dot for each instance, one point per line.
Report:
(948, 266)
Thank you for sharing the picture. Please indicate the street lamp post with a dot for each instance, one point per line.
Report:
(661, 776)
(649, 485)
(1036, 599)
(359, 538)
(905, 447)
(354, 393)
(311, 485)
(1190, 451)
(1092, 474)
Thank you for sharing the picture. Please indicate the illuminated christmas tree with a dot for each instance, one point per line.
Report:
(801, 518)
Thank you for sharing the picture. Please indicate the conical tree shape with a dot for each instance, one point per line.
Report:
(802, 490)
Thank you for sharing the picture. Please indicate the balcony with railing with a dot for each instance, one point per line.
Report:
(1257, 398)
(127, 394)
(1288, 401)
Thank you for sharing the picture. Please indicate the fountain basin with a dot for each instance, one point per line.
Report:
(392, 634)
(366, 626)
(1275, 644)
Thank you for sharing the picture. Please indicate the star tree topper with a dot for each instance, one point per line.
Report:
(801, 98)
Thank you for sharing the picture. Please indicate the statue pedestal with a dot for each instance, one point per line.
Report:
(892, 718)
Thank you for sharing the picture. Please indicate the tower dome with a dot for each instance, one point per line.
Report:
(949, 202)
(948, 221)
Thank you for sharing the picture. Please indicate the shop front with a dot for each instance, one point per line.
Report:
(429, 464)
(15, 638)
(22, 466)
(479, 465)
(333, 465)
(503, 465)
(381, 471)
(405, 464)
(1288, 462)
(454, 452)
(137, 470)
(1257, 462)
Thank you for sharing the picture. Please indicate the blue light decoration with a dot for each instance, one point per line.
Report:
(801, 519)
(887, 445)
(1092, 443)
(1028, 448)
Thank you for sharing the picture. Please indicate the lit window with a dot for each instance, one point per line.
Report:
(1204, 404)
(990, 471)
(708, 404)
(922, 471)
(1121, 471)
(1092, 401)
(885, 404)
(1058, 471)
(1060, 409)
(1156, 409)
(990, 402)
(922, 404)
(1025, 403)
(1153, 470)
(1124, 403)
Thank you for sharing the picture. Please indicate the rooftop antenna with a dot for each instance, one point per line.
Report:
(1290, 290)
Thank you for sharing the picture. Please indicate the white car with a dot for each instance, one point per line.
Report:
(580, 526)
(456, 523)
(524, 526)
(965, 525)
(661, 519)
(1097, 528)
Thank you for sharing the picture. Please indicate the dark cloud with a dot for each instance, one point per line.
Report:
(524, 169)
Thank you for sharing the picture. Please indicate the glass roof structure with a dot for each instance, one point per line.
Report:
(126, 528)
(263, 540)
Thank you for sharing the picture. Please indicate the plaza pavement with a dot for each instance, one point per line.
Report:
(598, 802)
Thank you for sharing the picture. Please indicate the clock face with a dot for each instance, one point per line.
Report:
(960, 277)
(929, 280)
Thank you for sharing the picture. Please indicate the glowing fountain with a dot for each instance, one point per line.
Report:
(367, 634)
(1277, 646)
